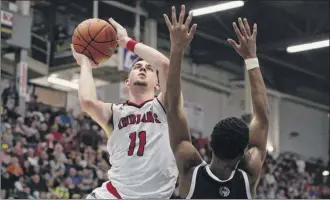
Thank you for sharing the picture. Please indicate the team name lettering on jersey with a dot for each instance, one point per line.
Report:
(148, 117)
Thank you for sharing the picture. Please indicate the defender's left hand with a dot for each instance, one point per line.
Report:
(247, 47)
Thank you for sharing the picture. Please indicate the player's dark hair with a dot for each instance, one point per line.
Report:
(138, 59)
(229, 138)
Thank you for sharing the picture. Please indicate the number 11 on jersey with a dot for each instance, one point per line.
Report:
(142, 142)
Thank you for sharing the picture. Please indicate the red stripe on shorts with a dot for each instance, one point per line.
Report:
(113, 190)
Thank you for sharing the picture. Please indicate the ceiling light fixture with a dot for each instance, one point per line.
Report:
(308, 46)
(217, 8)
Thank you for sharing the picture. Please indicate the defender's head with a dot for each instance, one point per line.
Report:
(144, 75)
(229, 139)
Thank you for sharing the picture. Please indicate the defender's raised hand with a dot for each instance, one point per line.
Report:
(179, 31)
(247, 47)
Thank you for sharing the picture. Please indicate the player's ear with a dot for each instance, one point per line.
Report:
(127, 82)
(157, 87)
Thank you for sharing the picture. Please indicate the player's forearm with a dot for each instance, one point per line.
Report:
(178, 126)
(149, 54)
(87, 89)
(173, 88)
(259, 124)
(259, 96)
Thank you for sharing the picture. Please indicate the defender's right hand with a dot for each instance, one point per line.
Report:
(180, 34)
(81, 59)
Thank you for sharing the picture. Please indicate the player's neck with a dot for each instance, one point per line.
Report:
(222, 169)
(137, 96)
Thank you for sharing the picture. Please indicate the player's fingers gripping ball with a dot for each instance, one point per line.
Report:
(96, 39)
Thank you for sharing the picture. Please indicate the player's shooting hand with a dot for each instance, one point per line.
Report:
(121, 33)
(179, 31)
(247, 47)
(81, 59)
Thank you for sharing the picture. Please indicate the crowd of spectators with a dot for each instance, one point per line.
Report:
(52, 154)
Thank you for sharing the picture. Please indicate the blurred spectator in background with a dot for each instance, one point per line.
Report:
(61, 34)
(9, 96)
(32, 104)
(67, 117)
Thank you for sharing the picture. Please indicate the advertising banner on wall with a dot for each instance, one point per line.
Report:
(23, 79)
(126, 59)
(6, 24)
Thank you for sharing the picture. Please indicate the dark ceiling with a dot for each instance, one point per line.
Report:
(280, 23)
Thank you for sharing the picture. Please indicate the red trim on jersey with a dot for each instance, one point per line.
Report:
(138, 105)
(113, 190)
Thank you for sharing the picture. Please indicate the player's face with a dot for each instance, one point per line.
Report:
(142, 74)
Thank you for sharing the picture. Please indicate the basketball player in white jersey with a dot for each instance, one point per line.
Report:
(143, 165)
(223, 178)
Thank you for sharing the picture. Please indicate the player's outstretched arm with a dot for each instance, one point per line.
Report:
(99, 111)
(149, 54)
(185, 153)
(259, 124)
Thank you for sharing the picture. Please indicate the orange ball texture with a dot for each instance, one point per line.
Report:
(95, 38)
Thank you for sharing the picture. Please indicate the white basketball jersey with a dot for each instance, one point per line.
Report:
(143, 164)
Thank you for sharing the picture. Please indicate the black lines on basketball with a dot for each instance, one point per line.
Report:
(107, 35)
(79, 48)
(89, 34)
(90, 56)
(92, 38)
(79, 35)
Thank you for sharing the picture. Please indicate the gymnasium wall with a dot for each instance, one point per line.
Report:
(311, 123)
(312, 126)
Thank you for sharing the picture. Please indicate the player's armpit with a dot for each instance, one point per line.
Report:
(100, 112)
(258, 135)
(161, 100)
(187, 157)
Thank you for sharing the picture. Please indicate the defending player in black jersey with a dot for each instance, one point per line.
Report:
(232, 140)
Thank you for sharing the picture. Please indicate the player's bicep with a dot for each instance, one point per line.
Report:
(254, 158)
(258, 136)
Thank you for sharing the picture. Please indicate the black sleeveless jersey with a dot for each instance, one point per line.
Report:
(205, 185)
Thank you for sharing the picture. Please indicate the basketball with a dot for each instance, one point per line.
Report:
(95, 38)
